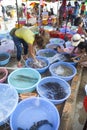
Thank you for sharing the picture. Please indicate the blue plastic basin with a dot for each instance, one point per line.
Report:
(24, 79)
(8, 102)
(40, 70)
(4, 34)
(67, 57)
(51, 92)
(47, 53)
(67, 65)
(4, 58)
(33, 110)
(57, 40)
(54, 45)
(63, 30)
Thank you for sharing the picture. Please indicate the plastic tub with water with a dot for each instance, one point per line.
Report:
(54, 89)
(4, 58)
(57, 40)
(47, 53)
(65, 57)
(24, 79)
(8, 102)
(63, 70)
(54, 45)
(44, 62)
(35, 113)
(63, 30)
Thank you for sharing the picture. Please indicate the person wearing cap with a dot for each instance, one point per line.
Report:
(82, 47)
(73, 49)
(75, 41)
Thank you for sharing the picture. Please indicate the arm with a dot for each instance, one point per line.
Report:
(32, 51)
(75, 59)
(72, 52)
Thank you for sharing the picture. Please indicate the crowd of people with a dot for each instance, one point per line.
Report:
(29, 40)
(71, 12)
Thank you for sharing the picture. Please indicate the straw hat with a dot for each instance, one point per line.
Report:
(76, 39)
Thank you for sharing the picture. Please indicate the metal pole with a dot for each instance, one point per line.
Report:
(27, 13)
(17, 13)
(39, 18)
(58, 13)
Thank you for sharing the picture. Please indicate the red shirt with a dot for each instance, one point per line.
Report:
(83, 7)
(28, 15)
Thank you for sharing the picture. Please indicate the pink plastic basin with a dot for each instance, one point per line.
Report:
(3, 74)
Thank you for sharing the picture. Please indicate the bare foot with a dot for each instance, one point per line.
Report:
(19, 65)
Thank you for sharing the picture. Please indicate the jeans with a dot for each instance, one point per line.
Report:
(18, 43)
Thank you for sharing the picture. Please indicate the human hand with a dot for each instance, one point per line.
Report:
(76, 61)
(37, 63)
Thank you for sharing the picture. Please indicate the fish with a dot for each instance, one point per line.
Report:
(19, 128)
(25, 78)
(38, 124)
(35, 65)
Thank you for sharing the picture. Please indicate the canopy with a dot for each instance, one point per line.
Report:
(37, 2)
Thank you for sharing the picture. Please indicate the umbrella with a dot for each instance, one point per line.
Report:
(37, 3)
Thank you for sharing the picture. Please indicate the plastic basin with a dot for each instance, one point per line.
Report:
(67, 58)
(57, 40)
(41, 70)
(3, 74)
(47, 53)
(54, 45)
(4, 34)
(8, 102)
(54, 89)
(32, 110)
(4, 58)
(63, 70)
(24, 79)
(63, 30)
